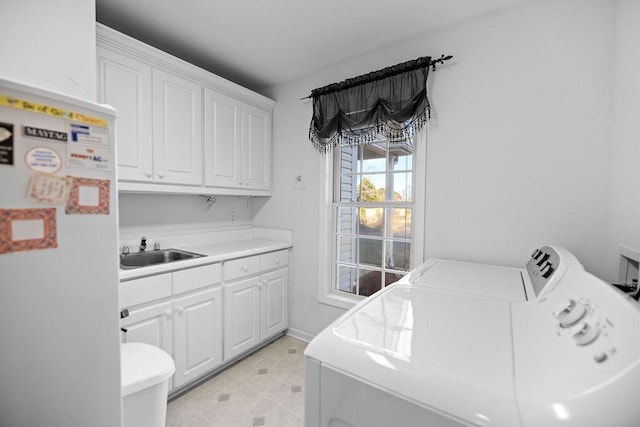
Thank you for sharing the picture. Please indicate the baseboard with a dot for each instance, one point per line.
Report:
(300, 335)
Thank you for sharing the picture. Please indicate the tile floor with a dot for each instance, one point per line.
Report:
(265, 389)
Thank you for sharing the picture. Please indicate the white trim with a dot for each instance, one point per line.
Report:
(325, 218)
(418, 228)
(326, 294)
(300, 335)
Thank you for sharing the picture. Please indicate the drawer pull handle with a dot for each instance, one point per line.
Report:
(277, 261)
(245, 268)
(180, 310)
(167, 313)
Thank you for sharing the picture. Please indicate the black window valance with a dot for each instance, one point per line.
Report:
(392, 102)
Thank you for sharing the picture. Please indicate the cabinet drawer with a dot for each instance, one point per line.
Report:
(274, 260)
(241, 267)
(195, 278)
(143, 290)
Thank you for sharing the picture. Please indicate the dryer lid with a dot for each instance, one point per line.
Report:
(480, 279)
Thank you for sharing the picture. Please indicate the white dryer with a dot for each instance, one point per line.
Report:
(457, 343)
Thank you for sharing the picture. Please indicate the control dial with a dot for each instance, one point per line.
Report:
(585, 334)
(570, 313)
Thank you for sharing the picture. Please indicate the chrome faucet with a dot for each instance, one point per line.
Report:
(143, 244)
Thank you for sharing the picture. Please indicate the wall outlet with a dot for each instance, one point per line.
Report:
(233, 216)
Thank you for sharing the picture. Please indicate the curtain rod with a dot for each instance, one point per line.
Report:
(422, 62)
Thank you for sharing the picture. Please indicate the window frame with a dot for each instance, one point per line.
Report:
(327, 294)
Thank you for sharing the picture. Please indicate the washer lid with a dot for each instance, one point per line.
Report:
(447, 351)
(489, 280)
(142, 366)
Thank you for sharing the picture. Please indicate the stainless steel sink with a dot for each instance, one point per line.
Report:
(144, 259)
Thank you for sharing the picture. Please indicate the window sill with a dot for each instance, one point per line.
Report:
(340, 301)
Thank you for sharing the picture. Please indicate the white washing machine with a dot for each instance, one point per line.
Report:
(463, 344)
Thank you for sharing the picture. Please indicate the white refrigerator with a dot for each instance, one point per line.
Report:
(59, 333)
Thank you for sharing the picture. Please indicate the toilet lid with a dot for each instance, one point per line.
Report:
(142, 366)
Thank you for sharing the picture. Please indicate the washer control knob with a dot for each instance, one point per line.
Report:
(600, 357)
(542, 259)
(585, 334)
(569, 313)
(546, 270)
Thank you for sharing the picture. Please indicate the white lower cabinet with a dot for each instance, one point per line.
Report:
(150, 324)
(255, 301)
(273, 308)
(197, 328)
(186, 322)
(203, 322)
(242, 316)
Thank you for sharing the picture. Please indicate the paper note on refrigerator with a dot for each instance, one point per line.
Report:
(45, 188)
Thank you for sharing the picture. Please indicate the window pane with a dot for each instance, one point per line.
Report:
(374, 157)
(398, 255)
(346, 221)
(370, 252)
(346, 281)
(370, 282)
(347, 249)
(401, 156)
(348, 188)
(390, 278)
(371, 221)
(401, 223)
(402, 186)
(372, 188)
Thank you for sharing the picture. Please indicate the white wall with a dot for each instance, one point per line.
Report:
(518, 151)
(148, 211)
(50, 44)
(624, 218)
(72, 376)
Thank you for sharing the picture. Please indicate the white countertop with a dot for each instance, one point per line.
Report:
(216, 248)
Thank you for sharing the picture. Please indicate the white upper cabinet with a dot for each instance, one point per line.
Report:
(177, 129)
(237, 143)
(222, 140)
(126, 84)
(256, 137)
(182, 129)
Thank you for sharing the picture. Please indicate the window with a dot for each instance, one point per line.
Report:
(371, 217)
(370, 234)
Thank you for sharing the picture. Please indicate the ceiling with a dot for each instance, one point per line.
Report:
(263, 43)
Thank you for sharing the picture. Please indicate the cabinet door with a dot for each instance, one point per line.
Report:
(241, 316)
(150, 324)
(125, 84)
(222, 140)
(274, 308)
(177, 129)
(256, 136)
(198, 334)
